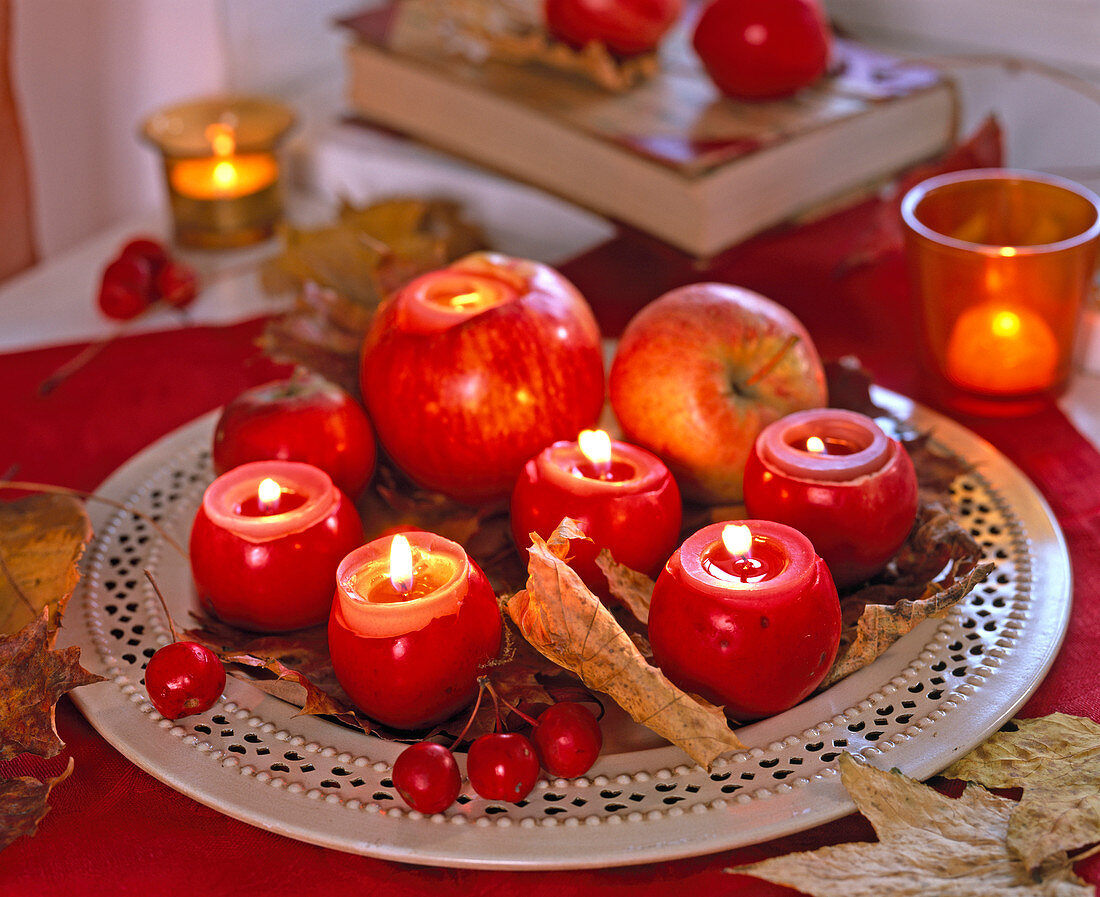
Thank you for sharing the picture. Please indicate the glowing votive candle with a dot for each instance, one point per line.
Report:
(413, 624)
(746, 615)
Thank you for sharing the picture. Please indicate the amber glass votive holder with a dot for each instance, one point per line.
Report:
(222, 168)
(1000, 262)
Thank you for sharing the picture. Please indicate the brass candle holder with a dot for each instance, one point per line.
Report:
(221, 168)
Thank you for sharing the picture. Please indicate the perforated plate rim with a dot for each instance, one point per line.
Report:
(680, 810)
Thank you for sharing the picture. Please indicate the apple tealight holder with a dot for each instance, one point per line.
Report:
(266, 543)
(837, 477)
(412, 627)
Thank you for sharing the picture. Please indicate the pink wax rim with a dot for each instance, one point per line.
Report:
(225, 496)
(370, 563)
(426, 301)
(779, 445)
(788, 553)
(633, 469)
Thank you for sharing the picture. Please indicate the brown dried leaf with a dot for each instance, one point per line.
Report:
(849, 386)
(928, 844)
(23, 805)
(937, 467)
(41, 540)
(632, 589)
(1056, 760)
(879, 626)
(299, 662)
(32, 679)
(569, 625)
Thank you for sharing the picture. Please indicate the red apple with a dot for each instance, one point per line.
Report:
(763, 49)
(701, 371)
(626, 27)
(469, 371)
(302, 418)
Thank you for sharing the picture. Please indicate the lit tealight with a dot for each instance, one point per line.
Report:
(595, 445)
(401, 564)
(737, 539)
(268, 493)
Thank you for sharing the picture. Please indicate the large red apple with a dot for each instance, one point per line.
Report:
(701, 371)
(302, 418)
(469, 371)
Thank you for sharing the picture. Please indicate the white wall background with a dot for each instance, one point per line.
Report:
(87, 73)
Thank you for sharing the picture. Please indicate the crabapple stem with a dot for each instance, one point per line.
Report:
(164, 604)
(497, 700)
(481, 683)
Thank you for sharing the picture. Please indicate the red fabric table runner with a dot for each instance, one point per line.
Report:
(113, 829)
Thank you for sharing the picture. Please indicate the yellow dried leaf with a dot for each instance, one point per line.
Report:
(569, 625)
(1056, 760)
(928, 844)
(880, 625)
(41, 539)
(632, 589)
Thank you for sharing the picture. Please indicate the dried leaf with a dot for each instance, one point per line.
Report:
(849, 386)
(32, 678)
(513, 34)
(299, 662)
(1056, 760)
(23, 805)
(937, 466)
(928, 844)
(569, 625)
(879, 626)
(630, 588)
(41, 540)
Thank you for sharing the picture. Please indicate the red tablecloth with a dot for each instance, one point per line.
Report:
(115, 830)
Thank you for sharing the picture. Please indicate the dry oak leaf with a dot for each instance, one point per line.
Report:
(928, 844)
(1056, 760)
(568, 625)
(32, 678)
(23, 804)
(880, 625)
(632, 589)
(41, 539)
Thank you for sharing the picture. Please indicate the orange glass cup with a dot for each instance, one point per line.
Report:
(1001, 262)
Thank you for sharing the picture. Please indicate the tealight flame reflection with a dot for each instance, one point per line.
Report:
(814, 444)
(595, 445)
(268, 493)
(401, 564)
(1006, 324)
(222, 138)
(737, 539)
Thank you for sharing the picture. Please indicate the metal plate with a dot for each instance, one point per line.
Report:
(934, 695)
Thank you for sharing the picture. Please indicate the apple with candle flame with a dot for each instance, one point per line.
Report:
(701, 371)
(468, 371)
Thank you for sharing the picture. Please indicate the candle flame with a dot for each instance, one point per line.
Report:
(465, 300)
(222, 138)
(401, 564)
(1007, 251)
(268, 493)
(814, 444)
(737, 539)
(1006, 324)
(225, 175)
(595, 445)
